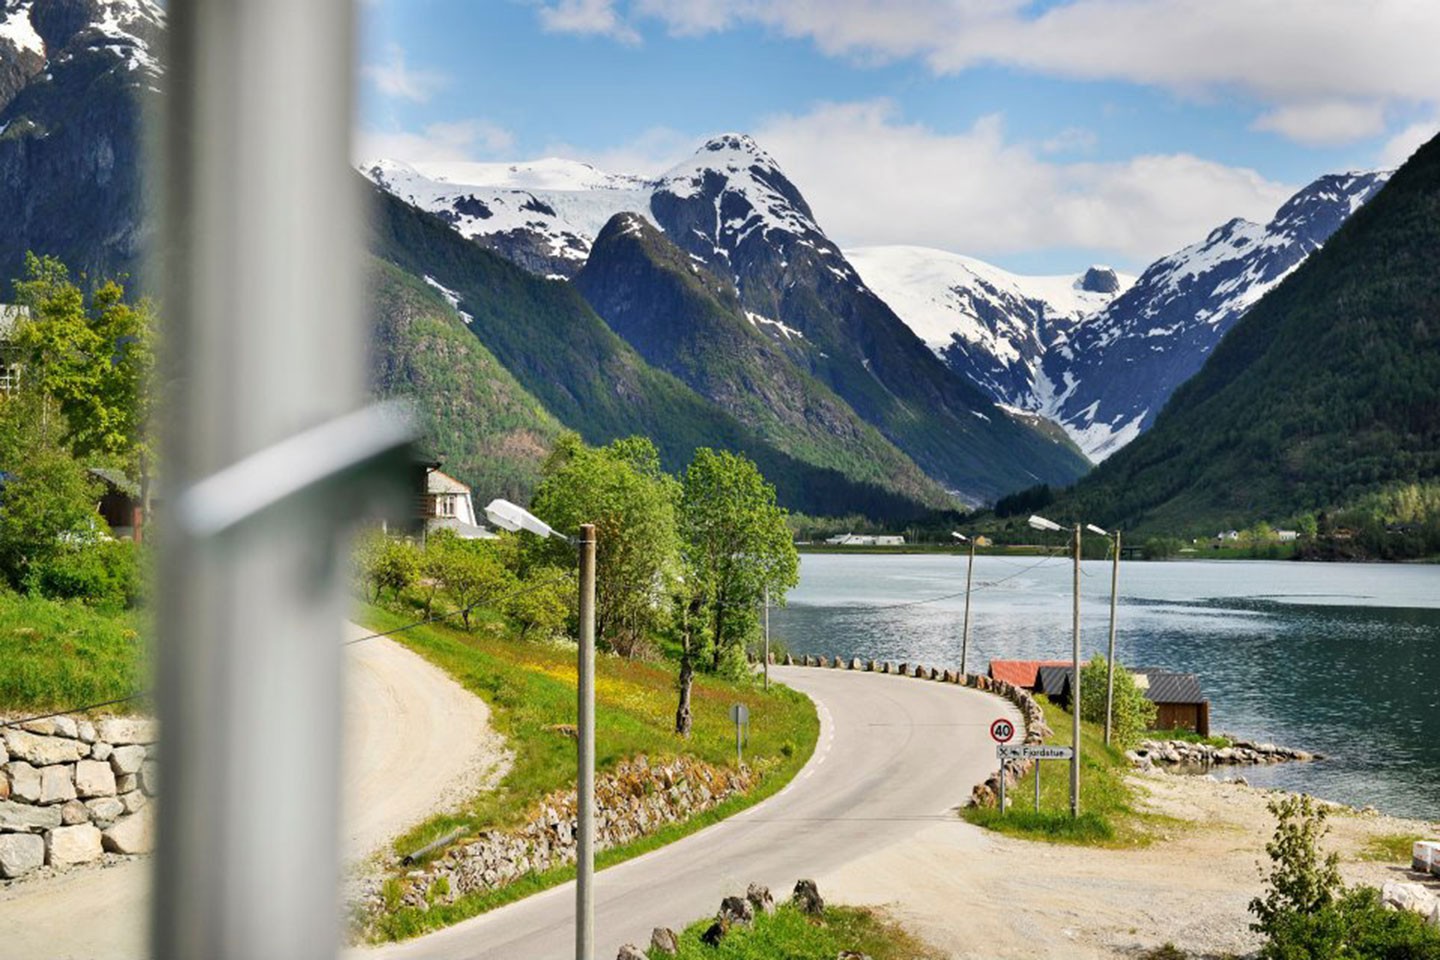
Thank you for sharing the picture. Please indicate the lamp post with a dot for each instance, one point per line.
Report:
(1040, 523)
(969, 574)
(508, 516)
(1110, 654)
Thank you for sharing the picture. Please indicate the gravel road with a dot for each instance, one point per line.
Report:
(416, 742)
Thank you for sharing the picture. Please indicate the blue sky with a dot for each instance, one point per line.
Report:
(1042, 137)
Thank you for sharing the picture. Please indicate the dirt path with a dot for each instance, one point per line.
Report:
(416, 742)
(979, 895)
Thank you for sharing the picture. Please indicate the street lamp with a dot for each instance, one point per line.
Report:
(1040, 523)
(1110, 656)
(508, 516)
(969, 574)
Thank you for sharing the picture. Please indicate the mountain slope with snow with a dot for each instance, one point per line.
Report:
(1113, 374)
(732, 211)
(988, 324)
(73, 78)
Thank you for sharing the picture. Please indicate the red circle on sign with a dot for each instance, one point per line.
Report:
(1002, 731)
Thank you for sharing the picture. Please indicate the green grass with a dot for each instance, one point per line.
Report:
(1388, 848)
(789, 934)
(1189, 736)
(1108, 816)
(530, 689)
(60, 654)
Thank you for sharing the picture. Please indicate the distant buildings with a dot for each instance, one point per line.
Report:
(446, 505)
(1177, 697)
(10, 316)
(865, 540)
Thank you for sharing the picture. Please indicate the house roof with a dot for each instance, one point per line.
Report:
(437, 481)
(1164, 686)
(1053, 680)
(116, 480)
(1022, 673)
(463, 530)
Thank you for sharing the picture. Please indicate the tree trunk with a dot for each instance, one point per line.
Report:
(687, 666)
(719, 633)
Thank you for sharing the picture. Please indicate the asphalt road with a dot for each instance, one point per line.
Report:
(896, 756)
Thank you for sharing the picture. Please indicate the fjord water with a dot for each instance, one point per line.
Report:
(1340, 659)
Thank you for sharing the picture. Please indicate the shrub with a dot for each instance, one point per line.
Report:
(384, 563)
(1307, 914)
(1133, 713)
(105, 573)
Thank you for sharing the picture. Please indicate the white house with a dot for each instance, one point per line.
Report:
(448, 506)
(1287, 536)
(10, 316)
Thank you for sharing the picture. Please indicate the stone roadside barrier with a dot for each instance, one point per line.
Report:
(1184, 753)
(73, 789)
(986, 794)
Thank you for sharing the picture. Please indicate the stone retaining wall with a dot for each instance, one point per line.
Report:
(986, 794)
(72, 789)
(1186, 753)
(634, 800)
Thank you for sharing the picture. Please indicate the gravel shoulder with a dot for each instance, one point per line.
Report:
(976, 894)
(416, 743)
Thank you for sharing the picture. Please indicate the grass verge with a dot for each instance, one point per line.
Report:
(60, 654)
(1189, 736)
(1108, 815)
(789, 934)
(1388, 848)
(530, 688)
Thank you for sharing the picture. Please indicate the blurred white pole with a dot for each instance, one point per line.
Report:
(265, 340)
(585, 727)
(1110, 657)
(1075, 690)
(965, 631)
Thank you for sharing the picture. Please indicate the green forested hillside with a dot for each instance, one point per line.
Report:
(1327, 390)
(487, 429)
(562, 353)
(688, 320)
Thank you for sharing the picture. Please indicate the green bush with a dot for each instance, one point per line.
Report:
(1133, 714)
(1308, 914)
(1356, 926)
(105, 573)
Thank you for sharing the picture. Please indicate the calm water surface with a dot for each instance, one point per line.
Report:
(1342, 659)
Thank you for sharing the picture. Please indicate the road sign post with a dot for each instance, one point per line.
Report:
(739, 715)
(1002, 731)
(1037, 785)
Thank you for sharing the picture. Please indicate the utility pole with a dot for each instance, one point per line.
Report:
(965, 632)
(1110, 658)
(585, 730)
(1075, 691)
(767, 636)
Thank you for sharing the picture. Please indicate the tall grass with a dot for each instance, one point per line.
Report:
(789, 934)
(58, 654)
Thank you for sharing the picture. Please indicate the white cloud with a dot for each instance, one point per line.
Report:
(1325, 123)
(1332, 65)
(394, 79)
(873, 178)
(461, 140)
(586, 17)
(1399, 147)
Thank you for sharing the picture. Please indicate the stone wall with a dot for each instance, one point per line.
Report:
(636, 799)
(986, 794)
(73, 789)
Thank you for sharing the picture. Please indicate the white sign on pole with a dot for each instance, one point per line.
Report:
(1032, 751)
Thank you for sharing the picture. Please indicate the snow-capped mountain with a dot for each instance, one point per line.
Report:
(1100, 353)
(1109, 378)
(991, 325)
(732, 211)
(73, 75)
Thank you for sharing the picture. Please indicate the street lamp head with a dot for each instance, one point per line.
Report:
(507, 516)
(959, 536)
(1040, 523)
(1094, 529)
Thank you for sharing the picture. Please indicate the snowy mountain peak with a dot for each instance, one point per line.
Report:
(17, 29)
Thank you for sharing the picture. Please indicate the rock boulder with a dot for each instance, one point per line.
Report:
(807, 898)
(20, 853)
(65, 846)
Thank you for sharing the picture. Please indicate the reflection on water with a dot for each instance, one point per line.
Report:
(1341, 659)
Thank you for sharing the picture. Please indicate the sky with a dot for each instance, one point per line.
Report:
(1040, 135)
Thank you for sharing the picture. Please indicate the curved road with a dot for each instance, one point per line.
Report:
(415, 740)
(896, 756)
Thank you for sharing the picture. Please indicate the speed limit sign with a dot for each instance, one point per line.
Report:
(1002, 731)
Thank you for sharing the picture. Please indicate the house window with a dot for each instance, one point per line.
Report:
(447, 505)
(9, 377)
